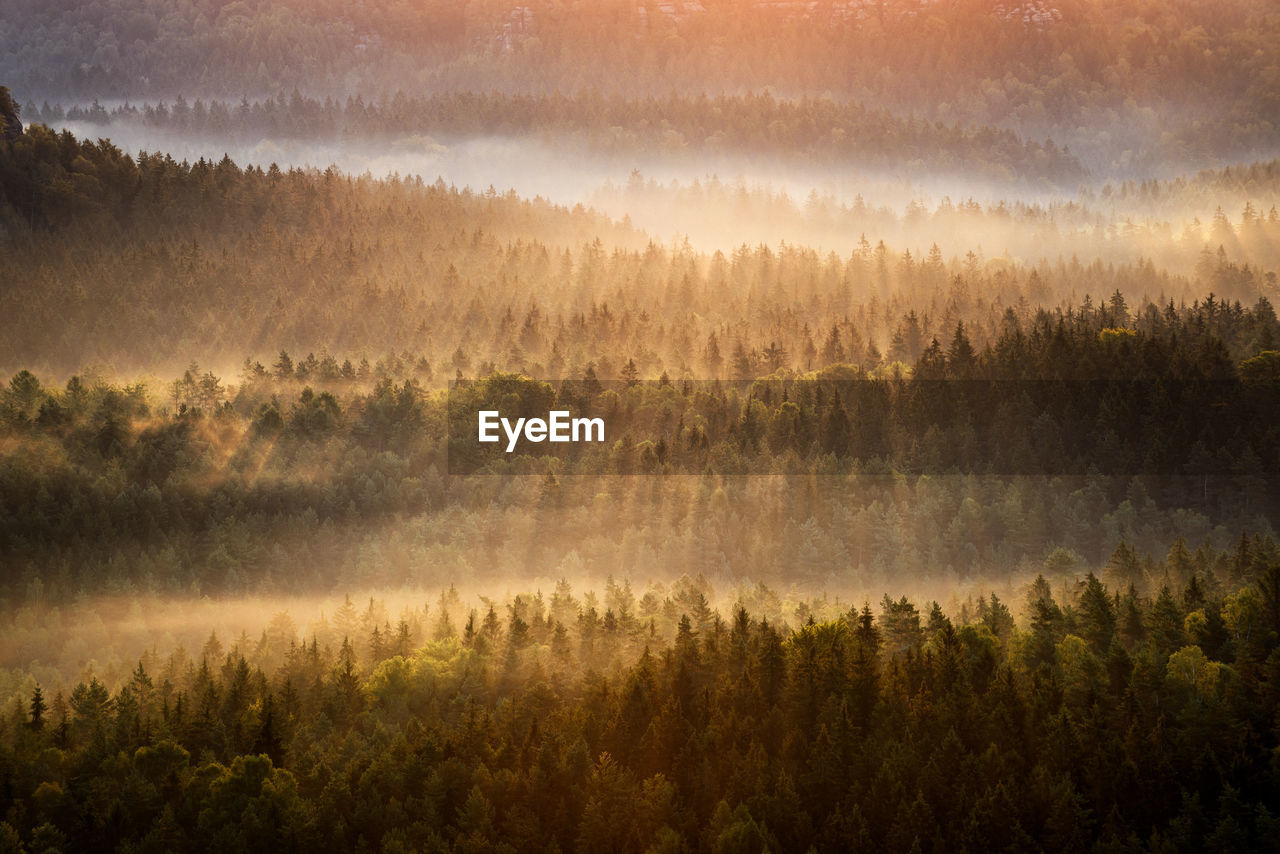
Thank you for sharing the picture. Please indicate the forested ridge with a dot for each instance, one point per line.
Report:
(817, 130)
(117, 253)
(1168, 83)
(1104, 720)
(322, 420)
(179, 486)
(937, 347)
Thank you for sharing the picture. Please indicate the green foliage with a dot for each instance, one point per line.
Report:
(1262, 369)
(267, 484)
(729, 737)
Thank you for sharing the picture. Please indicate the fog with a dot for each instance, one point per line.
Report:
(722, 201)
(714, 203)
(560, 170)
(105, 636)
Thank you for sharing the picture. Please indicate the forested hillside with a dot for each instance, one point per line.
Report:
(1167, 83)
(146, 264)
(1105, 719)
(284, 479)
(819, 131)
(927, 358)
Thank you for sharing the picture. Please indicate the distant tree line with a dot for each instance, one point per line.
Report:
(1132, 85)
(808, 129)
(214, 483)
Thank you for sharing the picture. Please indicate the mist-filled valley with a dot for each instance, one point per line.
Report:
(730, 171)
(937, 371)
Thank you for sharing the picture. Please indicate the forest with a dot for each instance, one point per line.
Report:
(1107, 721)
(118, 488)
(452, 279)
(1173, 84)
(819, 131)
(936, 347)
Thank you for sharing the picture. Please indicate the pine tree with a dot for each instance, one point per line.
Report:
(1097, 615)
(630, 373)
(961, 359)
(37, 708)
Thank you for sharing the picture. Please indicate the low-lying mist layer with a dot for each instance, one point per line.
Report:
(58, 642)
(758, 180)
(755, 129)
(307, 478)
(1129, 86)
(141, 266)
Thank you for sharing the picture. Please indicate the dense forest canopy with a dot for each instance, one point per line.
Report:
(937, 345)
(1105, 719)
(177, 488)
(129, 264)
